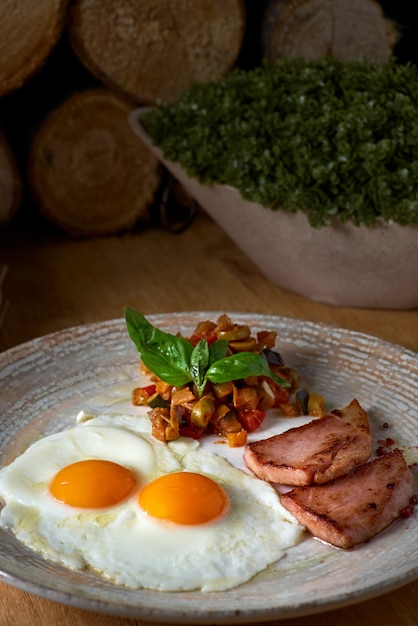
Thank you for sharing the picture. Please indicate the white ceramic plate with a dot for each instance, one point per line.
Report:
(45, 382)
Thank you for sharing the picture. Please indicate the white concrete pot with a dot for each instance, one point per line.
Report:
(339, 264)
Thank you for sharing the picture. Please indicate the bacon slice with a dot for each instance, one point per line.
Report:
(315, 453)
(353, 508)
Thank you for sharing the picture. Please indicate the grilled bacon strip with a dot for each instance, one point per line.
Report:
(354, 508)
(320, 451)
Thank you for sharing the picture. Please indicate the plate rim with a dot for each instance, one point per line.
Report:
(155, 317)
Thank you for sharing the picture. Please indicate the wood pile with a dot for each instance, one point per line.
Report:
(65, 141)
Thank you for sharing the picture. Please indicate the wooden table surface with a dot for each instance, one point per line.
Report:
(55, 282)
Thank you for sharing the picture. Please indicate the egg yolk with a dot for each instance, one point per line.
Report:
(184, 498)
(93, 484)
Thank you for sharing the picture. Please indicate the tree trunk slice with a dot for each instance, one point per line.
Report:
(28, 31)
(314, 28)
(155, 49)
(88, 172)
(10, 182)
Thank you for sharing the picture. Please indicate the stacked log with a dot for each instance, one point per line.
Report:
(313, 28)
(155, 49)
(28, 31)
(88, 172)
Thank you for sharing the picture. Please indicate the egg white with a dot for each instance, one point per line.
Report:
(123, 543)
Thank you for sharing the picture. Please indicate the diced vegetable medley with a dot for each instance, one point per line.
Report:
(231, 408)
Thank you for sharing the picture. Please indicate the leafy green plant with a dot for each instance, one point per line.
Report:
(177, 362)
(327, 137)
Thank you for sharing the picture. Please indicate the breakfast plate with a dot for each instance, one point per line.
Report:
(93, 368)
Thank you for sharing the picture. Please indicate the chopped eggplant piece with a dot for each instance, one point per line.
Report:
(273, 357)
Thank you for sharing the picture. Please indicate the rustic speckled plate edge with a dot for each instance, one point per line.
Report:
(337, 361)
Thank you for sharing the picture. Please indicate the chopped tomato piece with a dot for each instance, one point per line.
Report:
(266, 339)
(281, 397)
(190, 430)
(149, 390)
(210, 337)
(251, 419)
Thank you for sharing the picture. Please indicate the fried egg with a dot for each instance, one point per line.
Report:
(106, 495)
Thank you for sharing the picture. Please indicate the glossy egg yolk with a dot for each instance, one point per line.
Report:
(184, 498)
(93, 484)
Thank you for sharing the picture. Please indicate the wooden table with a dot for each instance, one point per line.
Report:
(55, 282)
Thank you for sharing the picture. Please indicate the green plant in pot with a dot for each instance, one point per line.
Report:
(311, 167)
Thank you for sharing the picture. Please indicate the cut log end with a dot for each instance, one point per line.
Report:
(10, 183)
(155, 49)
(314, 28)
(88, 172)
(28, 32)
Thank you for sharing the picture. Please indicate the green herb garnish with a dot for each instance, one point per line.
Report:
(327, 137)
(177, 362)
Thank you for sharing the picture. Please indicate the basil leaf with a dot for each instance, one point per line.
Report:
(217, 350)
(239, 366)
(168, 356)
(174, 359)
(199, 363)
